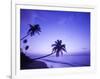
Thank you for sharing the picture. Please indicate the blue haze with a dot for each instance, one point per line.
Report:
(73, 28)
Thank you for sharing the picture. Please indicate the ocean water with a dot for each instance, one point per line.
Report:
(67, 61)
(78, 60)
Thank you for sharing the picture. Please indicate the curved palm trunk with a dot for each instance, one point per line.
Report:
(43, 56)
(24, 37)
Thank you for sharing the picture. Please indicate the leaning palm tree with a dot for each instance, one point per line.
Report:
(33, 30)
(58, 48)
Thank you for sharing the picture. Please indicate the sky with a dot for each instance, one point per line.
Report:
(73, 28)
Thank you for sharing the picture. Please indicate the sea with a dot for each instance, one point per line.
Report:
(74, 60)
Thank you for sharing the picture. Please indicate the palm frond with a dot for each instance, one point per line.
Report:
(60, 41)
(53, 45)
(61, 52)
(64, 50)
(63, 45)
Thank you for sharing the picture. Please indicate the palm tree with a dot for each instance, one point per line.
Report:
(58, 48)
(33, 30)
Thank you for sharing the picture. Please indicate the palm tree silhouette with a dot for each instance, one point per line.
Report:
(58, 48)
(33, 30)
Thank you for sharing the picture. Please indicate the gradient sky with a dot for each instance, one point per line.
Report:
(73, 28)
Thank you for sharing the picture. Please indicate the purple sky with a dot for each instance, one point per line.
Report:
(73, 28)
